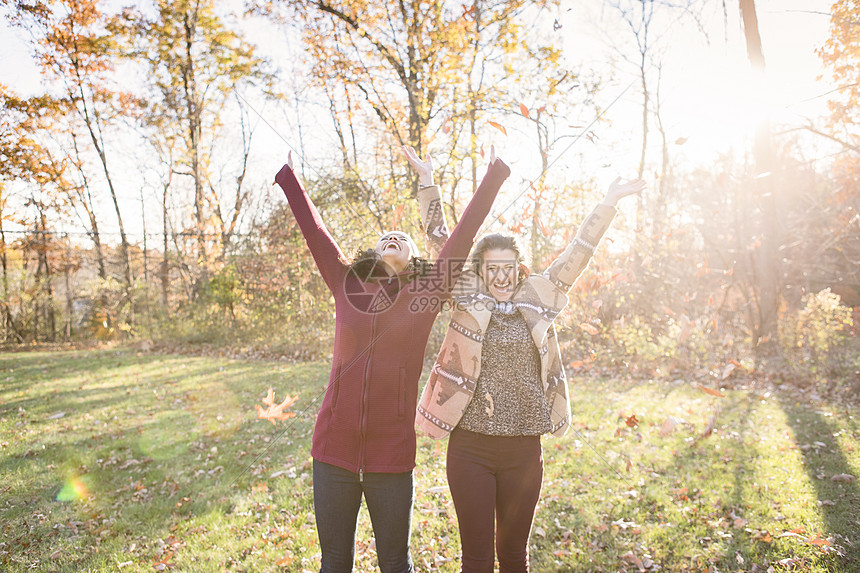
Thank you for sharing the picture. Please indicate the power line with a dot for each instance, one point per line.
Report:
(134, 234)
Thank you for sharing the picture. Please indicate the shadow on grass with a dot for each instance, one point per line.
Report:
(838, 501)
(176, 469)
(695, 502)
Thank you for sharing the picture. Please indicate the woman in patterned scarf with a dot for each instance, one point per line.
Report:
(498, 384)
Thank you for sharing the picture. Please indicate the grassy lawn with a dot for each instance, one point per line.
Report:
(113, 460)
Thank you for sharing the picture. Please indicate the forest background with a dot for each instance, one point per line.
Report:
(135, 175)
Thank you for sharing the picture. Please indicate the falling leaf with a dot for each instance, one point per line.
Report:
(681, 141)
(398, 214)
(668, 426)
(546, 231)
(524, 110)
(711, 391)
(632, 421)
(710, 427)
(727, 371)
(499, 127)
(275, 411)
(590, 329)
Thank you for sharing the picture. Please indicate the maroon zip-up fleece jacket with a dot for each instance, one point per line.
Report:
(367, 419)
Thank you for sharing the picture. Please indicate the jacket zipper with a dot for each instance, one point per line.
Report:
(363, 417)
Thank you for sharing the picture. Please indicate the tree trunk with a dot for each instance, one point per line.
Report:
(93, 125)
(165, 263)
(194, 131)
(68, 282)
(767, 263)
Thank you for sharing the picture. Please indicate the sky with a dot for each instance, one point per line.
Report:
(705, 87)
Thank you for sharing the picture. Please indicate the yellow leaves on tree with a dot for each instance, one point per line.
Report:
(274, 411)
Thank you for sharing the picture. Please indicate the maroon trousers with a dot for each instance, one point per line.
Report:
(495, 482)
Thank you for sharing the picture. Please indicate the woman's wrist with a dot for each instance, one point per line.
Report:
(426, 182)
(609, 201)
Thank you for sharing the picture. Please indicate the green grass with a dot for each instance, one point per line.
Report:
(115, 461)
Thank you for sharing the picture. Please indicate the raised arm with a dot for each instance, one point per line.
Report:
(323, 247)
(564, 271)
(456, 249)
(429, 203)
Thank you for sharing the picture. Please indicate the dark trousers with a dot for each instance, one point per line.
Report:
(495, 482)
(337, 499)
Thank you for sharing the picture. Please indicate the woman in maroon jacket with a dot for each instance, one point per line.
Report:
(364, 438)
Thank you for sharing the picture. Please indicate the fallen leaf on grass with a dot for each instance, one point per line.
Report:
(826, 502)
(631, 558)
(760, 535)
(164, 562)
(620, 523)
(818, 541)
(847, 478)
(632, 421)
(791, 534)
(275, 411)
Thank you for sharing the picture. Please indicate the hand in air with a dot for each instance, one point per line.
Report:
(424, 169)
(492, 155)
(282, 172)
(618, 190)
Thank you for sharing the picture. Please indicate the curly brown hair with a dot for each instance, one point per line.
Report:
(365, 261)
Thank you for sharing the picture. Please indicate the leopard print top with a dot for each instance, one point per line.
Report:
(509, 399)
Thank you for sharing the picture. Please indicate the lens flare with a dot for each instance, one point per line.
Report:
(73, 489)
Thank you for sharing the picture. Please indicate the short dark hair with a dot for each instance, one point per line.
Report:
(493, 241)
